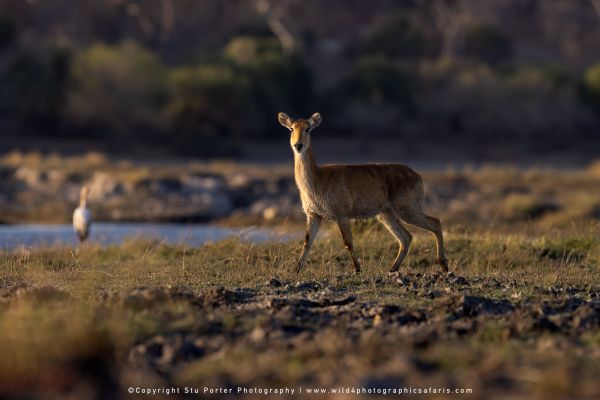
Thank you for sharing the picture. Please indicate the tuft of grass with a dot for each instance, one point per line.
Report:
(574, 249)
(519, 207)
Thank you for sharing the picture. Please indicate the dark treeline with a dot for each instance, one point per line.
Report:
(202, 77)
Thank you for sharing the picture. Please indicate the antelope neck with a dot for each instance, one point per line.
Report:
(305, 168)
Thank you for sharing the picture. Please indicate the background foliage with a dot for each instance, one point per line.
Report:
(206, 78)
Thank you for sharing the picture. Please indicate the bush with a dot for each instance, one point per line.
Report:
(376, 82)
(35, 87)
(551, 75)
(395, 37)
(557, 74)
(277, 81)
(117, 88)
(8, 32)
(486, 43)
(249, 50)
(373, 98)
(206, 106)
(525, 105)
(591, 86)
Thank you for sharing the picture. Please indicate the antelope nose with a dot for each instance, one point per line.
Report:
(298, 146)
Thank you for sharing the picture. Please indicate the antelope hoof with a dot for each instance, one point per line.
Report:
(443, 263)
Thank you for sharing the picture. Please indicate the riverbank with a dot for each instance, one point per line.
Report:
(44, 189)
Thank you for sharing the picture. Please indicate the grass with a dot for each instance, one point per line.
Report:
(65, 310)
(519, 317)
(558, 257)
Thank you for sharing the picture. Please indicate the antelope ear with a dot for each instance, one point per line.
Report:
(315, 120)
(284, 120)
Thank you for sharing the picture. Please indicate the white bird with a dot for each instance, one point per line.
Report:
(82, 217)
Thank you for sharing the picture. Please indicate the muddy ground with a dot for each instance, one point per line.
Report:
(434, 331)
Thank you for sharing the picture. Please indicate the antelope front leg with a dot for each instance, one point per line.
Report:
(346, 232)
(312, 228)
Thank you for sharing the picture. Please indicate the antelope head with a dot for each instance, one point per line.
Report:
(300, 129)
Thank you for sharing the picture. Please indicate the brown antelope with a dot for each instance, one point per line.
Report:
(391, 192)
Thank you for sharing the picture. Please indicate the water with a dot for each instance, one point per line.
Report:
(12, 236)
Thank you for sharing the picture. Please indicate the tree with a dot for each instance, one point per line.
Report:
(450, 18)
(596, 4)
(273, 12)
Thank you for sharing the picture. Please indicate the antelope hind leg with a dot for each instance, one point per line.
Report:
(393, 224)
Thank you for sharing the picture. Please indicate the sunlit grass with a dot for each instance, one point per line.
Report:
(543, 259)
(63, 309)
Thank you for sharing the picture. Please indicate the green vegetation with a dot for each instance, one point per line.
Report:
(378, 83)
(116, 88)
(8, 32)
(487, 44)
(396, 37)
(36, 87)
(591, 85)
(202, 103)
(449, 72)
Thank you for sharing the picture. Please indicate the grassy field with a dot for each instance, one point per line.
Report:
(517, 317)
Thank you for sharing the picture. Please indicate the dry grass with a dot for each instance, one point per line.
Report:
(564, 256)
(80, 315)
(519, 317)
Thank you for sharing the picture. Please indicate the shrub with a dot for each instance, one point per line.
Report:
(486, 43)
(277, 81)
(557, 74)
(372, 98)
(376, 81)
(8, 32)
(35, 87)
(395, 36)
(249, 50)
(118, 88)
(524, 104)
(206, 106)
(552, 76)
(591, 86)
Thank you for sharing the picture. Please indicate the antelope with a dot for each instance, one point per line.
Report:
(391, 192)
(82, 217)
